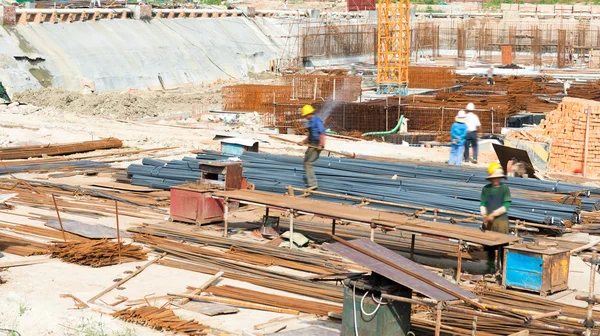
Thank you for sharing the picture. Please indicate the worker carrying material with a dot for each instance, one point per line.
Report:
(495, 202)
(315, 141)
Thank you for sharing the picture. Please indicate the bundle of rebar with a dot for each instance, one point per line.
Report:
(97, 253)
(9, 153)
(431, 77)
(305, 306)
(185, 257)
(21, 246)
(162, 319)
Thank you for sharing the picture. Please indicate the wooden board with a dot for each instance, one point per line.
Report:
(123, 186)
(367, 216)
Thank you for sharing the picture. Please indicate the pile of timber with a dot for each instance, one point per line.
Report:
(162, 319)
(21, 246)
(586, 91)
(25, 152)
(189, 257)
(97, 253)
(508, 312)
(531, 134)
(90, 202)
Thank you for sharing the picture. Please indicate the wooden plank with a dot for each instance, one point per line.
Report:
(25, 262)
(238, 303)
(204, 286)
(123, 186)
(117, 284)
(368, 216)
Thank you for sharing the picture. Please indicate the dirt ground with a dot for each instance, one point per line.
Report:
(29, 300)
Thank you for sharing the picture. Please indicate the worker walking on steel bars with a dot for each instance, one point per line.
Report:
(495, 202)
(458, 132)
(315, 141)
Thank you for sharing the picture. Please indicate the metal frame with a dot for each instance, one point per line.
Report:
(393, 46)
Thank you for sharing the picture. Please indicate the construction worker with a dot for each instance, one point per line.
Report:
(458, 132)
(473, 127)
(315, 141)
(490, 75)
(495, 202)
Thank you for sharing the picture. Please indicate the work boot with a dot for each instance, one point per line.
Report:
(315, 187)
(474, 161)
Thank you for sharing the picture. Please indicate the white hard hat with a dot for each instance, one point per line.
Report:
(470, 107)
(461, 116)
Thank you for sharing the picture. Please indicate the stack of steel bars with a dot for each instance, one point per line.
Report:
(434, 187)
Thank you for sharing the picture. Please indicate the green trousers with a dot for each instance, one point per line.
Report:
(311, 155)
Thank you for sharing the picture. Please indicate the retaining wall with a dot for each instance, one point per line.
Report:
(121, 54)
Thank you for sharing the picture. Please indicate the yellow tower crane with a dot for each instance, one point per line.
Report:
(393, 46)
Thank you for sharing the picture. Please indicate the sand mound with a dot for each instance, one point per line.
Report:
(127, 104)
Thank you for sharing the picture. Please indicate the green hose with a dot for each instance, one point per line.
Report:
(394, 130)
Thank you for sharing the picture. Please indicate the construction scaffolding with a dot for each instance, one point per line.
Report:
(425, 40)
(320, 88)
(254, 98)
(336, 41)
(561, 54)
(429, 77)
(383, 115)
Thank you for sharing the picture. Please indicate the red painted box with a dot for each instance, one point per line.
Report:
(195, 206)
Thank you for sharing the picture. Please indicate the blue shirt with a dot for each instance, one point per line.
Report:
(315, 130)
(458, 130)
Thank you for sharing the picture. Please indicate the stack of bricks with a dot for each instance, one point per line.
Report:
(566, 126)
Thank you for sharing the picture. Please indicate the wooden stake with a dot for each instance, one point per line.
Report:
(291, 228)
(459, 263)
(117, 284)
(118, 230)
(474, 331)
(204, 286)
(585, 150)
(238, 303)
(412, 247)
(438, 319)
(226, 216)
(59, 220)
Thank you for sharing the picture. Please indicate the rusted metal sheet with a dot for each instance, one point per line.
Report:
(88, 230)
(397, 275)
(195, 206)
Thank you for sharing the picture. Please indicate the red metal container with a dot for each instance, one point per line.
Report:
(361, 5)
(195, 206)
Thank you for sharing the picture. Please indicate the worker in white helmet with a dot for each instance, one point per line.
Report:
(473, 130)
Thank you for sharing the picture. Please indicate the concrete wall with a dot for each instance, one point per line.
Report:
(123, 54)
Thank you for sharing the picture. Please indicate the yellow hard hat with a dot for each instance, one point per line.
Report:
(493, 168)
(307, 109)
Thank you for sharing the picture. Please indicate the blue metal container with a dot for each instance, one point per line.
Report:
(536, 268)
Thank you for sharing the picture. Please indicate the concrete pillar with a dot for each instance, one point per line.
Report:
(8, 15)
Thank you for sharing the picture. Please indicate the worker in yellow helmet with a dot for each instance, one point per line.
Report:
(315, 141)
(495, 202)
